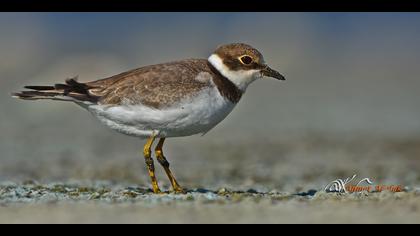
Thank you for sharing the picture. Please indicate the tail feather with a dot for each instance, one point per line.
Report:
(70, 91)
(40, 88)
(36, 95)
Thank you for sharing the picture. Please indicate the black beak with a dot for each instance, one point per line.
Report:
(267, 71)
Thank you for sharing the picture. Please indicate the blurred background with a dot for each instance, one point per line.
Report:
(350, 104)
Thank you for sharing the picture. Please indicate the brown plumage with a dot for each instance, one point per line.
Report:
(156, 86)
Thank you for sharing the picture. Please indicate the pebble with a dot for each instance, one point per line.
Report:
(111, 194)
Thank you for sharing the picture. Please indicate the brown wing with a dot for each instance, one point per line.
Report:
(156, 86)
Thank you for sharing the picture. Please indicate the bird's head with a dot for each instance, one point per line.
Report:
(241, 64)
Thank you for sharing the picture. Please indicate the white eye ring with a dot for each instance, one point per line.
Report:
(245, 59)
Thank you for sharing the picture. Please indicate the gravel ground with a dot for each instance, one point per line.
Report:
(264, 181)
(102, 202)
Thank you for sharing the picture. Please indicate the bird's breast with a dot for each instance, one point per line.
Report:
(200, 113)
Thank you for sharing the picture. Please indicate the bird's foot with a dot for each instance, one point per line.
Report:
(179, 190)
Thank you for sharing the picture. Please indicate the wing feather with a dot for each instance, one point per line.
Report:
(156, 86)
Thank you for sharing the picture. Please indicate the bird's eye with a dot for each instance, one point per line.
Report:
(246, 60)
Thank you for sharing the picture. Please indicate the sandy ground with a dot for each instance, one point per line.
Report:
(57, 203)
(247, 182)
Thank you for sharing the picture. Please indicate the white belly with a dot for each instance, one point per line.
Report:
(191, 116)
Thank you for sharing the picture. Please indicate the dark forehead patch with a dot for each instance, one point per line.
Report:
(231, 52)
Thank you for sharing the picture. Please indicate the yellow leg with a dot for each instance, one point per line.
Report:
(165, 164)
(147, 151)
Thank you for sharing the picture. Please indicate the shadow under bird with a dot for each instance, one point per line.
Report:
(174, 99)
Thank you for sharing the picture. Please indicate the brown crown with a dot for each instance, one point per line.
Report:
(230, 54)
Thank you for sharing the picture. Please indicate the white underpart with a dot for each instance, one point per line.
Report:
(194, 115)
(241, 78)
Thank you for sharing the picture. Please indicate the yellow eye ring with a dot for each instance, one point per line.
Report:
(246, 60)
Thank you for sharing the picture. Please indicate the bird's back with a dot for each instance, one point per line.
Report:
(155, 85)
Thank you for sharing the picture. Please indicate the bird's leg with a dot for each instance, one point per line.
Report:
(165, 164)
(147, 151)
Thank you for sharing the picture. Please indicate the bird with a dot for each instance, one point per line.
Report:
(174, 99)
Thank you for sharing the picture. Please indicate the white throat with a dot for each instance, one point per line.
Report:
(241, 78)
